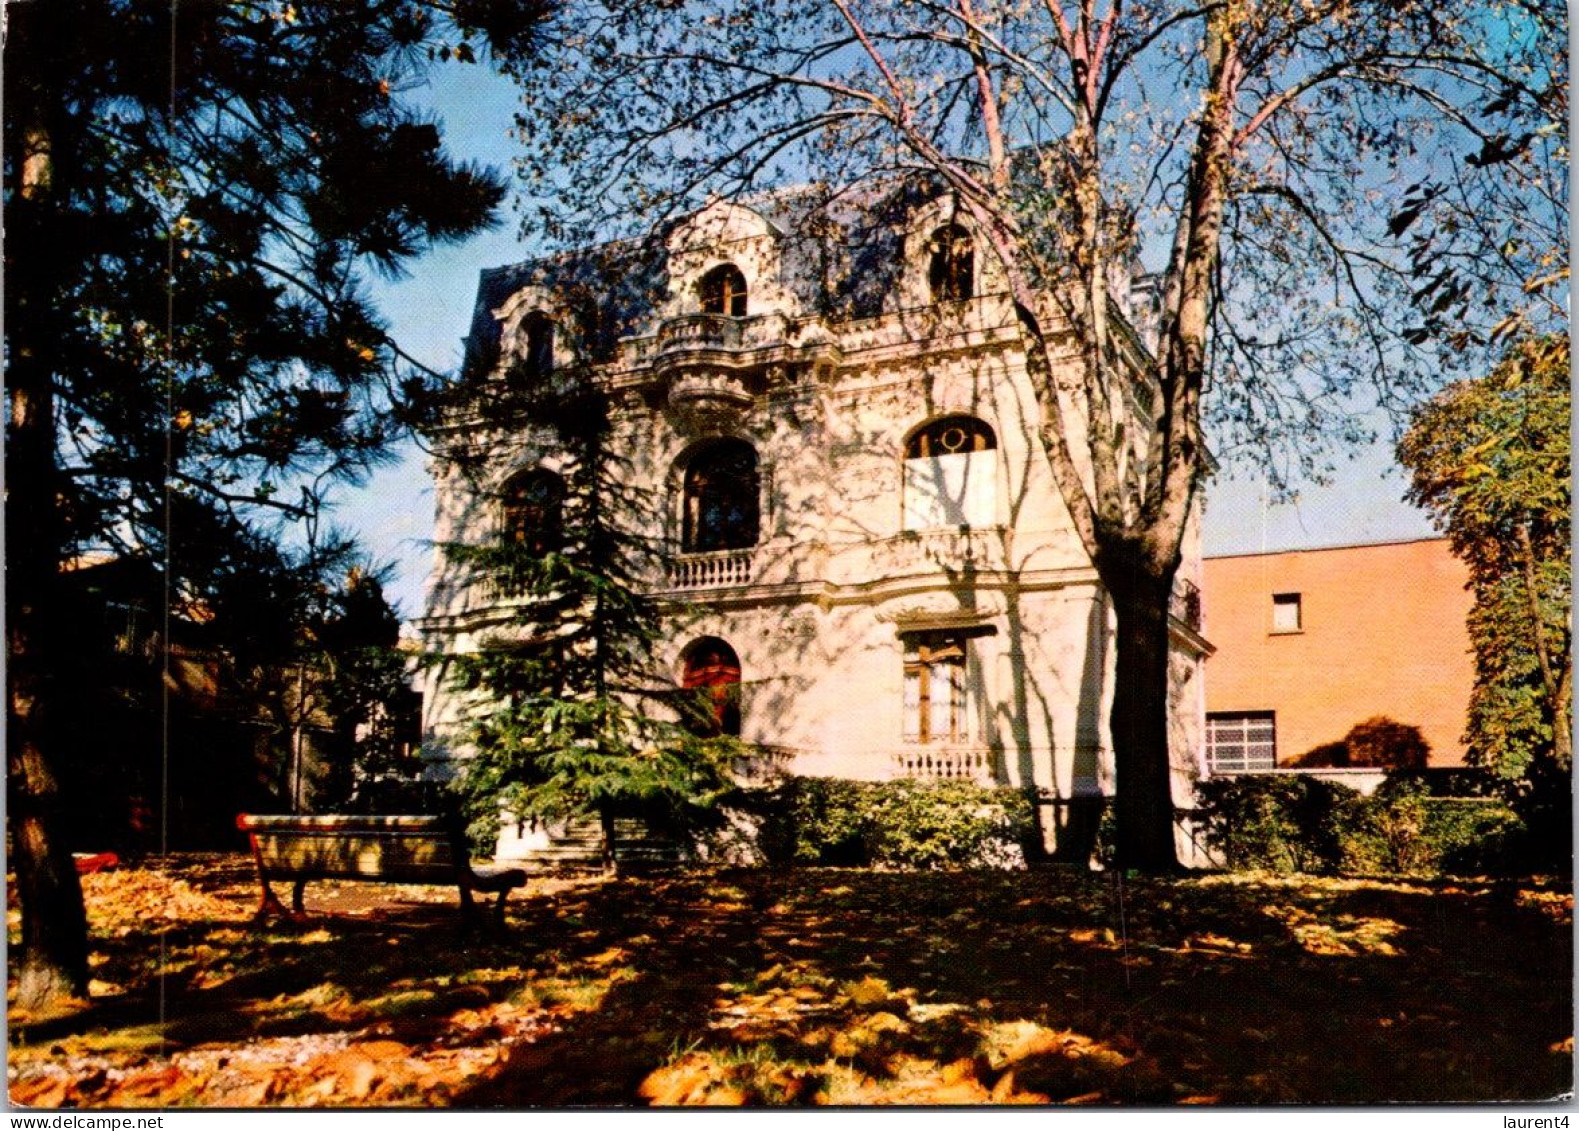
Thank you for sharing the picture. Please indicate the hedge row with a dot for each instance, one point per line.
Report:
(894, 824)
(1301, 824)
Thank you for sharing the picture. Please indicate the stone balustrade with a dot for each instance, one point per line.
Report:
(713, 570)
(946, 763)
(699, 331)
(925, 551)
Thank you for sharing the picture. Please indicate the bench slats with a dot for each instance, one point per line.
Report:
(417, 850)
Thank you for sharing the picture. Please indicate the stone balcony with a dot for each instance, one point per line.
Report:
(944, 553)
(723, 339)
(700, 332)
(945, 763)
(717, 569)
(953, 550)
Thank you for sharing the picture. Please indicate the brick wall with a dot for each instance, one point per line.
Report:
(1381, 632)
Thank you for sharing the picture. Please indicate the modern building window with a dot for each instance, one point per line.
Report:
(1236, 743)
(934, 707)
(952, 267)
(711, 679)
(951, 475)
(1288, 614)
(721, 506)
(533, 510)
(537, 346)
(724, 291)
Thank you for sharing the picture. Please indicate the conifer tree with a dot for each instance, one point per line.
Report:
(194, 194)
(577, 721)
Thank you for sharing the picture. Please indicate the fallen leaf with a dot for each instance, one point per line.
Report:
(41, 1091)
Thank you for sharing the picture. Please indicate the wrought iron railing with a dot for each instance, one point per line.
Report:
(1186, 603)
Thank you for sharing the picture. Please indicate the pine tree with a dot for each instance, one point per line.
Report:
(194, 194)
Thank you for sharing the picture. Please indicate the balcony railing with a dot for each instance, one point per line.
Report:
(1186, 603)
(699, 331)
(936, 763)
(713, 570)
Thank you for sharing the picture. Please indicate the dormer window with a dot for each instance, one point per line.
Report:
(724, 291)
(952, 270)
(537, 346)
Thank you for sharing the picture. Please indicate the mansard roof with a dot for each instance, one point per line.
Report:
(838, 256)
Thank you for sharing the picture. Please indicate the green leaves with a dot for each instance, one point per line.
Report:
(574, 720)
(1490, 459)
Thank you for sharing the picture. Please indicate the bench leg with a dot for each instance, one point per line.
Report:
(296, 897)
(269, 905)
(498, 908)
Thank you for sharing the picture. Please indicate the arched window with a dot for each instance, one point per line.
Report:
(537, 346)
(724, 291)
(952, 268)
(721, 498)
(951, 474)
(712, 676)
(533, 502)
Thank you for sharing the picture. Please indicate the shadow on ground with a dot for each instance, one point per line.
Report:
(825, 986)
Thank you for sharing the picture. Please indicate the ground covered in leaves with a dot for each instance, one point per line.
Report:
(813, 987)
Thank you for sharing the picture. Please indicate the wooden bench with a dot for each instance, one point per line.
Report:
(390, 850)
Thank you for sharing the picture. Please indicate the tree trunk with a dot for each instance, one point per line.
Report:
(1557, 687)
(1139, 724)
(606, 830)
(54, 926)
(54, 967)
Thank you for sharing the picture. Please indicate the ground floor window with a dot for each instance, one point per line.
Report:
(935, 688)
(1239, 742)
(712, 677)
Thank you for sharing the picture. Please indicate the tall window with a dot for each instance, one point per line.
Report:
(1241, 742)
(721, 498)
(952, 269)
(951, 475)
(712, 677)
(533, 503)
(537, 345)
(724, 291)
(935, 688)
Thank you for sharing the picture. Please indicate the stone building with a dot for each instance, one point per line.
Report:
(829, 415)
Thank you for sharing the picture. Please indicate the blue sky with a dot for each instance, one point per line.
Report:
(429, 312)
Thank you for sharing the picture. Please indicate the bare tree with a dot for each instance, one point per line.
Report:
(1255, 151)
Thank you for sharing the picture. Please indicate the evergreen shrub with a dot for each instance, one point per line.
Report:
(1293, 823)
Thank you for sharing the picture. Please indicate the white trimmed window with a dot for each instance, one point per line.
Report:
(951, 475)
(1288, 613)
(1236, 743)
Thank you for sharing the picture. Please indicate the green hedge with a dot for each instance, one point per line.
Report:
(1292, 823)
(895, 824)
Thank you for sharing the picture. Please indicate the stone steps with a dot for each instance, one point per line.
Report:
(579, 844)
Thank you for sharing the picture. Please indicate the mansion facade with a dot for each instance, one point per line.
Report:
(835, 442)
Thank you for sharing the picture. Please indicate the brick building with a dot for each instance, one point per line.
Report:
(1311, 642)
